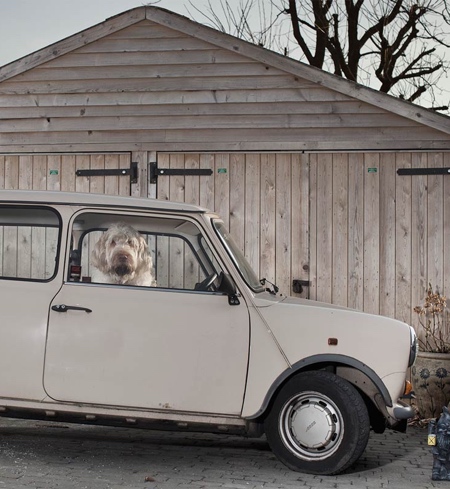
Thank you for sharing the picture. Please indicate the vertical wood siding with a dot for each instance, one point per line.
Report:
(377, 238)
(29, 252)
(364, 236)
(58, 172)
(263, 199)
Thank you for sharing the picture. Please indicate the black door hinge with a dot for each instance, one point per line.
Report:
(132, 172)
(423, 171)
(156, 172)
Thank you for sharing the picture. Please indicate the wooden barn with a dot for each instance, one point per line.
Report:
(334, 191)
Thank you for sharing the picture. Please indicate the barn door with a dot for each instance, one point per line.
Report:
(378, 235)
(263, 199)
(59, 172)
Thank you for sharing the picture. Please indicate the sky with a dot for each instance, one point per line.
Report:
(29, 25)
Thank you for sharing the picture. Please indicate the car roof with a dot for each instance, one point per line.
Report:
(96, 200)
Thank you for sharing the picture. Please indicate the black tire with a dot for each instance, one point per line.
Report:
(318, 424)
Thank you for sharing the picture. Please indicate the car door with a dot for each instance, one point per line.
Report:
(30, 237)
(168, 347)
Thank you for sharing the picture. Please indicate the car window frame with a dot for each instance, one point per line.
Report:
(122, 214)
(59, 226)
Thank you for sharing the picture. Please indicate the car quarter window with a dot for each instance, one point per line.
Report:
(163, 252)
(29, 239)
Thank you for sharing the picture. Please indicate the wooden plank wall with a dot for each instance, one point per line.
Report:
(263, 199)
(28, 251)
(377, 238)
(150, 88)
(365, 237)
(57, 172)
(51, 172)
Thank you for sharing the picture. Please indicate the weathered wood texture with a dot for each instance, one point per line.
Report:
(378, 239)
(29, 252)
(58, 172)
(147, 87)
(364, 236)
(264, 201)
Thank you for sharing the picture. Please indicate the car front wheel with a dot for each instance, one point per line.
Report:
(318, 424)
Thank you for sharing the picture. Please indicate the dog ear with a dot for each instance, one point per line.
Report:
(98, 254)
(145, 261)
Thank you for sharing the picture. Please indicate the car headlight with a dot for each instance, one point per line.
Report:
(414, 347)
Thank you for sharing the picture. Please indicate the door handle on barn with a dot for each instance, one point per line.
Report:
(64, 308)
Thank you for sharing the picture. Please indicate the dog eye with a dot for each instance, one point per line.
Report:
(113, 243)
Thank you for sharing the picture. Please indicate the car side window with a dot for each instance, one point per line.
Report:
(142, 251)
(29, 238)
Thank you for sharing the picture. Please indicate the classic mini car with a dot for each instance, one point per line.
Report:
(201, 346)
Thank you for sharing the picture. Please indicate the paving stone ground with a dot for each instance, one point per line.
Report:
(45, 455)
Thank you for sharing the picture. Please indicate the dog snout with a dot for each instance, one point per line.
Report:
(123, 258)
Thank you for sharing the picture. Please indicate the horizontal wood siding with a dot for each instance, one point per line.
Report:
(147, 87)
(263, 200)
(378, 239)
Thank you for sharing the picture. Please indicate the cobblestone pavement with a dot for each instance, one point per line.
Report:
(49, 456)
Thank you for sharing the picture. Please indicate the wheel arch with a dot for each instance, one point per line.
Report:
(350, 369)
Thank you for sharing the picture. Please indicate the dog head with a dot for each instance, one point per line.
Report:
(121, 253)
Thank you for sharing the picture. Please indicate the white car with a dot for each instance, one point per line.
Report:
(204, 346)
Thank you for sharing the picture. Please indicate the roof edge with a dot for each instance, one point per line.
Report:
(366, 94)
(75, 41)
(190, 27)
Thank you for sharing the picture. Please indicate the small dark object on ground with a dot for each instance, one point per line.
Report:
(439, 439)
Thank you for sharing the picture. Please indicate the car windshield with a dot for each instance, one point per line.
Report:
(238, 258)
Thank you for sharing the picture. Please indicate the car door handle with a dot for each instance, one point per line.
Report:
(64, 308)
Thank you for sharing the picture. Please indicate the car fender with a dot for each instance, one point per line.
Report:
(347, 367)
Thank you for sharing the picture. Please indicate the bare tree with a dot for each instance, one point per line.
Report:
(396, 46)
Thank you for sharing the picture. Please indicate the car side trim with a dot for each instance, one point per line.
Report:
(323, 359)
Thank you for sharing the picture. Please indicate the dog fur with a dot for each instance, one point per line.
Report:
(121, 256)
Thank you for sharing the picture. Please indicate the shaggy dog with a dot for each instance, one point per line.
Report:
(121, 256)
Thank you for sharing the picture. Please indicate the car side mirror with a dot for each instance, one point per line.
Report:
(228, 287)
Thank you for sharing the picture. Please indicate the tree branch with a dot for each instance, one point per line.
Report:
(295, 22)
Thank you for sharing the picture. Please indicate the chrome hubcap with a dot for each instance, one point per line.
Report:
(311, 426)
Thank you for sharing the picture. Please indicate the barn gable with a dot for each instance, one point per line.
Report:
(158, 81)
